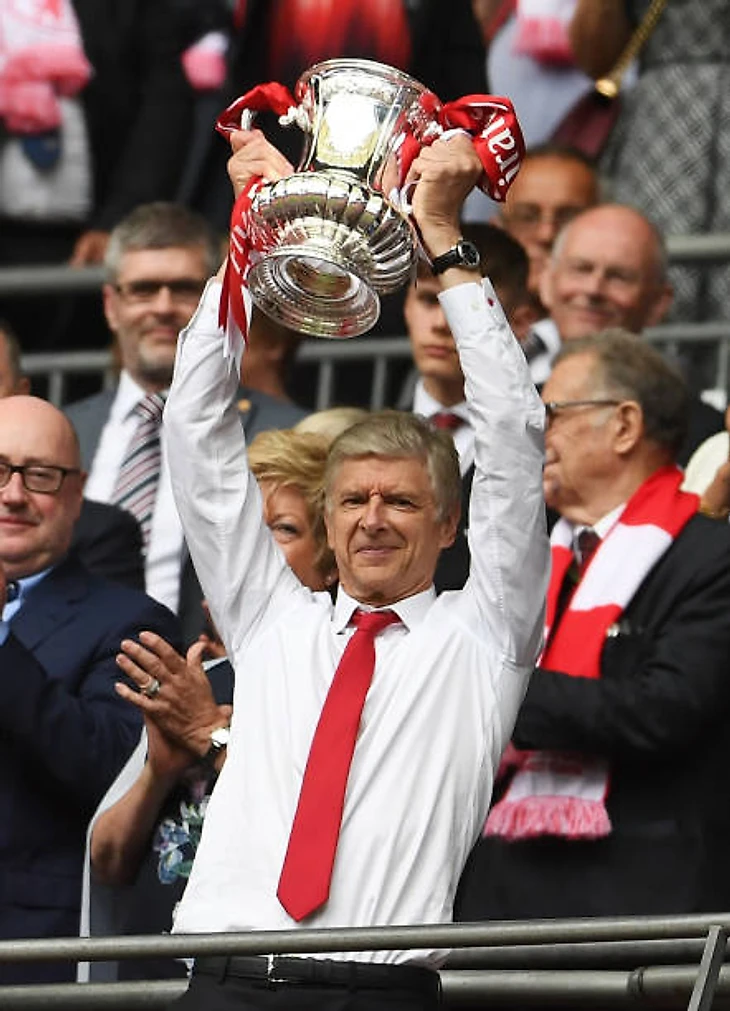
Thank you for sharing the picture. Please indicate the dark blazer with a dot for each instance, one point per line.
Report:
(108, 541)
(64, 735)
(258, 412)
(660, 713)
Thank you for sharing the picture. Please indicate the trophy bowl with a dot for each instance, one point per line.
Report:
(329, 240)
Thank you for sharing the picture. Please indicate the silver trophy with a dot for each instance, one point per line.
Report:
(330, 239)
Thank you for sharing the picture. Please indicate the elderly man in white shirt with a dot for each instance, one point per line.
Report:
(449, 672)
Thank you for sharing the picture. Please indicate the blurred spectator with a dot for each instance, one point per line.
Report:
(146, 831)
(553, 185)
(612, 809)
(608, 268)
(435, 389)
(157, 263)
(277, 40)
(64, 732)
(668, 151)
(96, 117)
(105, 538)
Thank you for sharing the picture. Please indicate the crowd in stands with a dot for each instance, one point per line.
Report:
(527, 550)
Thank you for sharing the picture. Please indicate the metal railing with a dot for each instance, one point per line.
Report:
(600, 963)
(380, 352)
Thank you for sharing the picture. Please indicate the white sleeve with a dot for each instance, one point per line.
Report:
(510, 558)
(237, 562)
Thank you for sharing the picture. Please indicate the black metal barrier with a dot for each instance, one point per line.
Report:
(667, 962)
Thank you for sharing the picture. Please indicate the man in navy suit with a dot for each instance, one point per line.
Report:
(64, 731)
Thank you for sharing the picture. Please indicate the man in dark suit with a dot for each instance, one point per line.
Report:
(614, 803)
(64, 730)
(158, 260)
(107, 539)
(436, 387)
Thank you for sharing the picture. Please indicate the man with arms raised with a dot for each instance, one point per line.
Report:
(440, 678)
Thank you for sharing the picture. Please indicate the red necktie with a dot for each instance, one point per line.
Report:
(447, 420)
(304, 883)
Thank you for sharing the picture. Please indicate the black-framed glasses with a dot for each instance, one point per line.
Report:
(182, 289)
(554, 407)
(38, 477)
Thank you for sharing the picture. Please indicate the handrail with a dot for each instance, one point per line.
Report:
(601, 987)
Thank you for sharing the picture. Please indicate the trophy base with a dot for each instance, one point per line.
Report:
(312, 290)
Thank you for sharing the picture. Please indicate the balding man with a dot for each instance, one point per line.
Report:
(608, 268)
(64, 731)
(106, 538)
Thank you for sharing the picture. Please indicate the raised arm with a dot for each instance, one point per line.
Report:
(507, 536)
(237, 562)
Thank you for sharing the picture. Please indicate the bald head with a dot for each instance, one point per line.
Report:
(36, 526)
(607, 269)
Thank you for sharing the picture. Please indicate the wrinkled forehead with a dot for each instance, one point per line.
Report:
(380, 473)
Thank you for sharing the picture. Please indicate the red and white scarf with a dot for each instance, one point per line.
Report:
(564, 794)
(41, 58)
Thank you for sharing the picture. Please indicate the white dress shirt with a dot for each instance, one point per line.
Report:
(425, 404)
(447, 682)
(165, 554)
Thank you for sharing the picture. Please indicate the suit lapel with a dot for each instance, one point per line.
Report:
(50, 604)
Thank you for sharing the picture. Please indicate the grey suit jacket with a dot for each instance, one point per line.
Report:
(259, 412)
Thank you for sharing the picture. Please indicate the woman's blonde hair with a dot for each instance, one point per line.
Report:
(292, 459)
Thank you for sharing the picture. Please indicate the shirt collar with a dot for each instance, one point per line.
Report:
(129, 394)
(547, 331)
(425, 404)
(602, 527)
(27, 583)
(411, 610)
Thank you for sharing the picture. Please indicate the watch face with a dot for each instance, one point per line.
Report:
(469, 254)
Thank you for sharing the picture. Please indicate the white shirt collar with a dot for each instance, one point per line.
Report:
(129, 394)
(425, 404)
(411, 610)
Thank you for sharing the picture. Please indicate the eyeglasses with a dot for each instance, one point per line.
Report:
(45, 480)
(554, 407)
(183, 289)
(531, 216)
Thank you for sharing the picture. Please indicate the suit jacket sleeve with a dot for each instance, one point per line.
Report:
(58, 706)
(108, 541)
(664, 678)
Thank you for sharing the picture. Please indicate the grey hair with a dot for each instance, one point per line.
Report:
(161, 225)
(401, 435)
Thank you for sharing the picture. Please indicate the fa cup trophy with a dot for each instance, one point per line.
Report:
(319, 247)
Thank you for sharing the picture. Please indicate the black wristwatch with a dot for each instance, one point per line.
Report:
(218, 741)
(463, 254)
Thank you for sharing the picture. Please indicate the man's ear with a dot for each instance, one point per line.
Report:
(629, 428)
(660, 307)
(109, 298)
(449, 527)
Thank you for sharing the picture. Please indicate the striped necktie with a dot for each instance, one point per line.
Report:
(136, 486)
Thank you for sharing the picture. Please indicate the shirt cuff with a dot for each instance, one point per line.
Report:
(471, 307)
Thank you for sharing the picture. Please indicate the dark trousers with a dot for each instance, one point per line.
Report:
(230, 993)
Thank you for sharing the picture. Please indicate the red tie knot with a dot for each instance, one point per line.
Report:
(447, 420)
(373, 622)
